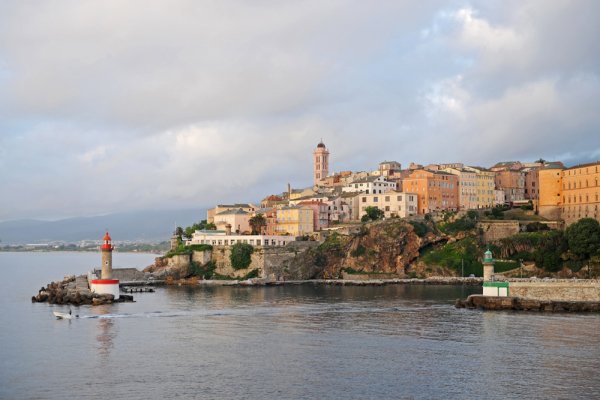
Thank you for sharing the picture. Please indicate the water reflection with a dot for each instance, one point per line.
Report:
(106, 330)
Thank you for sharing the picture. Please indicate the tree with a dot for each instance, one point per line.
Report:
(372, 214)
(241, 255)
(584, 238)
(257, 223)
(179, 232)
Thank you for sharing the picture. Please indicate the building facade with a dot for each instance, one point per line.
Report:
(294, 221)
(392, 203)
(436, 191)
(320, 212)
(370, 185)
(210, 214)
(237, 219)
(467, 187)
(485, 184)
(221, 238)
(581, 193)
(512, 182)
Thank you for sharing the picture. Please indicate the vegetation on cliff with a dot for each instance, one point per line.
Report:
(183, 249)
(241, 255)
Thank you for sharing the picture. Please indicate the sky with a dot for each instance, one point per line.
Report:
(110, 106)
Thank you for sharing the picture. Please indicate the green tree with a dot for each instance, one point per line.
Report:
(257, 223)
(241, 255)
(179, 232)
(372, 214)
(583, 238)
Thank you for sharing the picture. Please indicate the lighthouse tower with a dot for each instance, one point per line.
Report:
(106, 285)
(320, 163)
(107, 249)
(488, 266)
(491, 286)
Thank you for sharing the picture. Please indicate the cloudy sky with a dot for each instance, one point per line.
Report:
(127, 105)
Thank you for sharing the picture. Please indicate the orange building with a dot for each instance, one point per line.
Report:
(436, 191)
(550, 198)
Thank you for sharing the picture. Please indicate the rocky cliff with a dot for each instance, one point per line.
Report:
(390, 247)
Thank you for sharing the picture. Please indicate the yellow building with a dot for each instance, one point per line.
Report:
(294, 220)
(484, 186)
(467, 187)
(581, 192)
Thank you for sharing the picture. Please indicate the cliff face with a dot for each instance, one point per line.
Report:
(390, 246)
(381, 247)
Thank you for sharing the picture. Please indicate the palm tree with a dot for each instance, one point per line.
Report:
(257, 223)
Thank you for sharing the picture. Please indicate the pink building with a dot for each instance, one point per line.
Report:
(320, 213)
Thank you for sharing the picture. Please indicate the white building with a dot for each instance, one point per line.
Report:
(392, 203)
(221, 238)
(370, 185)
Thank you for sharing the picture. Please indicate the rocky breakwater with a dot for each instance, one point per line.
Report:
(481, 302)
(74, 290)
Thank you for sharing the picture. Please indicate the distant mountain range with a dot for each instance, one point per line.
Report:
(142, 226)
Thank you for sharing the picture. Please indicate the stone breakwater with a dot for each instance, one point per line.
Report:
(75, 291)
(477, 301)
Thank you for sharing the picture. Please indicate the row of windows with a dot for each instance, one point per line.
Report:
(587, 170)
(574, 199)
(578, 185)
(387, 199)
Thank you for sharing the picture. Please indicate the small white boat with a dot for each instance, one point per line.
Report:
(60, 315)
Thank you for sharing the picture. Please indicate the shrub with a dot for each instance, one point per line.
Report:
(241, 255)
(359, 251)
(204, 271)
(420, 228)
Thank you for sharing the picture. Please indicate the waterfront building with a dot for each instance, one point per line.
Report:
(238, 219)
(467, 187)
(551, 187)
(370, 185)
(294, 221)
(210, 214)
(320, 163)
(392, 203)
(222, 238)
(436, 191)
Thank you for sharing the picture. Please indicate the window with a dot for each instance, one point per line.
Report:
(375, 199)
(387, 198)
(364, 199)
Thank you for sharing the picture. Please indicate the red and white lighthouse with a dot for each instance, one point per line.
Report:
(106, 285)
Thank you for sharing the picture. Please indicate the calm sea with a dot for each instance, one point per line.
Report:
(301, 342)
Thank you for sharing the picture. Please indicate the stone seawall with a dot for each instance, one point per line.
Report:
(519, 304)
(562, 290)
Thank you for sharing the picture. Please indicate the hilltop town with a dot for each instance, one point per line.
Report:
(549, 190)
(421, 221)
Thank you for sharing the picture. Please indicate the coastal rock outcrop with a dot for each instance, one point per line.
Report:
(74, 291)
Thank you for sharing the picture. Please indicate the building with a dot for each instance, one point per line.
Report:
(485, 184)
(550, 196)
(294, 221)
(581, 192)
(320, 213)
(392, 203)
(370, 185)
(351, 202)
(238, 219)
(512, 182)
(223, 238)
(210, 214)
(389, 168)
(320, 163)
(436, 191)
(467, 187)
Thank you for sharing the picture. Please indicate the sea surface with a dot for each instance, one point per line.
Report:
(290, 342)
